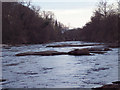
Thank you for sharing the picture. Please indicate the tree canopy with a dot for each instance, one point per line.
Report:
(26, 24)
(103, 26)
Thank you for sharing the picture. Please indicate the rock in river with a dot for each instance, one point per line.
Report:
(71, 45)
(49, 53)
(99, 49)
(42, 53)
(79, 52)
(113, 86)
(2, 80)
(114, 45)
(85, 51)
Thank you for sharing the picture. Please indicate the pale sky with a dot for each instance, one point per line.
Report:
(72, 13)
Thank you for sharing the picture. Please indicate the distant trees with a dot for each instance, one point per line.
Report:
(73, 34)
(103, 26)
(23, 24)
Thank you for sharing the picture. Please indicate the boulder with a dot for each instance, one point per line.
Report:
(71, 45)
(79, 52)
(50, 53)
(99, 49)
(2, 80)
(109, 86)
(95, 49)
(42, 53)
(116, 82)
(107, 49)
(98, 52)
(114, 45)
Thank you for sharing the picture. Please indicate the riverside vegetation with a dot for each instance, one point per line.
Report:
(26, 24)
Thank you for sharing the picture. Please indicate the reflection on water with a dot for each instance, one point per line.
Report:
(62, 71)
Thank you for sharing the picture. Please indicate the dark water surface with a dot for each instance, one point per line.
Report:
(61, 71)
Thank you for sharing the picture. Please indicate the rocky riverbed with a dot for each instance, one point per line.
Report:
(75, 65)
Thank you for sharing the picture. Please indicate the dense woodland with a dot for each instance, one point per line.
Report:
(27, 24)
(103, 27)
(23, 23)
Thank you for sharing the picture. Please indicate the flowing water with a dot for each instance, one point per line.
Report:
(60, 71)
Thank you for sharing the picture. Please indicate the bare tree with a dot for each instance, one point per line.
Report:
(102, 8)
(118, 2)
(36, 9)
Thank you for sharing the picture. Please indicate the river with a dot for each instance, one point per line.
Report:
(60, 71)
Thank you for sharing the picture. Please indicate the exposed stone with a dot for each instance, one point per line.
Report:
(70, 45)
(42, 53)
(107, 49)
(2, 80)
(98, 52)
(114, 86)
(27, 73)
(79, 52)
(116, 82)
(98, 69)
(113, 45)
(85, 51)
(95, 49)
(13, 64)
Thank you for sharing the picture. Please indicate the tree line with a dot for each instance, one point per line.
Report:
(103, 27)
(23, 23)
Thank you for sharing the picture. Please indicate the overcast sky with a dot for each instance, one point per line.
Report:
(73, 13)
